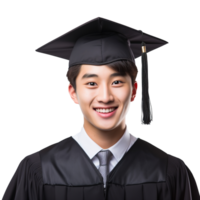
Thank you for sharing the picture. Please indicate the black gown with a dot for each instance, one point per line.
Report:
(63, 171)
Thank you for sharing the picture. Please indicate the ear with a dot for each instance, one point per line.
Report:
(72, 93)
(136, 85)
(134, 91)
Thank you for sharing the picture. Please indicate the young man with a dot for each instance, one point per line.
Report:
(103, 161)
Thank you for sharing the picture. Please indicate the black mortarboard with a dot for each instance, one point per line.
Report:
(101, 41)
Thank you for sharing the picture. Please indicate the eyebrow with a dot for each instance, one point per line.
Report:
(95, 75)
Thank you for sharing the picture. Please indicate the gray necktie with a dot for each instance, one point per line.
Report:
(104, 159)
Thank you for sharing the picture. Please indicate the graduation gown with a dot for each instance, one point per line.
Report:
(63, 171)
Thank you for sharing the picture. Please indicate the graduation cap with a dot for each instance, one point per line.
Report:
(101, 41)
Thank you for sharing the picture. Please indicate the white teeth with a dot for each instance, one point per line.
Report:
(105, 110)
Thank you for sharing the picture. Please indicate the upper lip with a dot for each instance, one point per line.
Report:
(105, 107)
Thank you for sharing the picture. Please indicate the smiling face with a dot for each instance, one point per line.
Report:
(101, 87)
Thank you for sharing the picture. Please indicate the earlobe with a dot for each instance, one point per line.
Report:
(72, 93)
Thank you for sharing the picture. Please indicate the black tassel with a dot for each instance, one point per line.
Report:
(146, 105)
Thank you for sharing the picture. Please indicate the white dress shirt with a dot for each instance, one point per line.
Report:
(118, 149)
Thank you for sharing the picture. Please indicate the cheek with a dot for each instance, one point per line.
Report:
(124, 96)
(85, 98)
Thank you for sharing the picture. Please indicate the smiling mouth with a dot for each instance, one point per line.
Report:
(106, 108)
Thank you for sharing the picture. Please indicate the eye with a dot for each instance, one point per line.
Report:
(118, 81)
(95, 83)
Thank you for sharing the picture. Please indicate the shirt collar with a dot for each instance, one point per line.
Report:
(91, 148)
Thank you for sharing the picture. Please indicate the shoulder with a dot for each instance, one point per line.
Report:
(35, 158)
(175, 166)
(31, 166)
(172, 162)
(52, 149)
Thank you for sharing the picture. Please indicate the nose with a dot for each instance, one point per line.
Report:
(105, 95)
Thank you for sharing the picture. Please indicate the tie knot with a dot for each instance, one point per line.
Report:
(104, 157)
